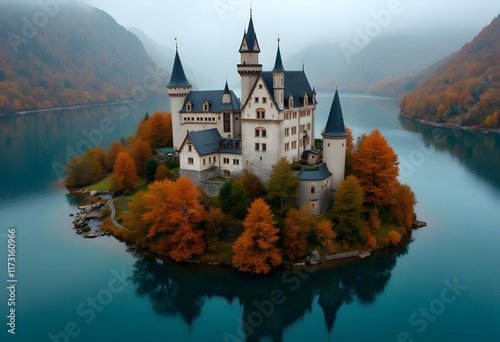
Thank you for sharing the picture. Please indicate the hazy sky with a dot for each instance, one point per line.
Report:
(202, 25)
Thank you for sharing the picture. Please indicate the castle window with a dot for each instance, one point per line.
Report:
(313, 204)
(227, 122)
(189, 106)
(204, 161)
(209, 160)
(261, 114)
(236, 162)
(205, 106)
(264, 100)
(290, 102)
(306, 100)
(215, 160)
(313, 189)
(256, 99)
(264, 147)
(260, 86)
(260, 132)
(190, 161)
(227, 173)
(287, 132)
(257, 132)
(226, 160)
(257, 147)
(190, 148)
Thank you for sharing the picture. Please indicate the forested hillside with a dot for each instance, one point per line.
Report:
(466, 90)
(68, 55)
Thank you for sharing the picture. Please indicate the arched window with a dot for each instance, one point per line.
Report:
(189, 106)
(313, 189)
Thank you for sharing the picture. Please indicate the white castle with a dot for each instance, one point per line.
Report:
(218, 135)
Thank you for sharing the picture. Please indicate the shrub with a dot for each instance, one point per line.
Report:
(297, 166)
(394, 237)
(371, 242)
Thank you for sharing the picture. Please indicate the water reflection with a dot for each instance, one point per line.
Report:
(478, 152)
(269, 303)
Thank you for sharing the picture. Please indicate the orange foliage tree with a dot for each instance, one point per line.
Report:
(125, 172)
(141, 153)
(376, 166)
(159, 130)
(298, 224)
(174, 213)
(255, 250)
(403, 210)
(112, 153)
(162, 172)
(325, 234)
(252, 184)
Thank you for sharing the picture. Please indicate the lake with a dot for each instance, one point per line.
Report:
(440, 283)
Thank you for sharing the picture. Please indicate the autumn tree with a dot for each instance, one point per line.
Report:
(101, 157)
(349, 151)
(174, 214)
(403, 210)
(255, 250)
(162, 173)
(213, 227)
(83, 170)
(125, 172)
(134, 219)
(114, 149)
(298, 224)
(347, 209)
(394, 237)
(326, 235)
(140, 152)
(159, 130)
(376, 166)
(151, 167)
(491, 121)
(252, 184)
(282, 184)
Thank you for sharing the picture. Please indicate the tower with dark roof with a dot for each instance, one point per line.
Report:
(249, 67)
(178, 89)
(334, 142)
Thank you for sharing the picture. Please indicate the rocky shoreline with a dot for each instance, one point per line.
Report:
(90, 213)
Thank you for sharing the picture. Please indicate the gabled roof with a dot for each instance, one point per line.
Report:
(210, 141)
(214, 97)
(178, 78)
(278, 64)
(296, 84)
(335, 124)
(320, 173)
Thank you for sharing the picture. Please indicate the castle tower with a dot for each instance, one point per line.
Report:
(279, 79)
(178, 89)
(249, 67)
(334, 142)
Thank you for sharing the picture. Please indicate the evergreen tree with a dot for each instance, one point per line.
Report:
(347, 209)
(282, 184)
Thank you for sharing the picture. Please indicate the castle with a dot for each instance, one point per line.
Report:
(218, 135)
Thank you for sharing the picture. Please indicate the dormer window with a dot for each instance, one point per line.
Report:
(206, 106)
(290, 102)
(189, 106)
(306, 100)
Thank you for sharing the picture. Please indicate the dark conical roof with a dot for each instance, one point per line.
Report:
(278, 64)
(178, 78)
(250, 37)
(335, 124)
(226, 89)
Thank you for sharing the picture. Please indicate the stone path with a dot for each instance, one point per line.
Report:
(113, 213)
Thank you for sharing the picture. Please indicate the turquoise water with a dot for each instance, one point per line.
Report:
(72, 289)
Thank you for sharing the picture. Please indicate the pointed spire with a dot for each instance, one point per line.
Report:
(335, 124)
(178, 78)
(226, 88)
(278, 64)
(250, 38)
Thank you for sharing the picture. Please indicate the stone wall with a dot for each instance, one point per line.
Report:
(211, 188)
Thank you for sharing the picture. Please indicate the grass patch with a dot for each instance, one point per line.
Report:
(141, 184)
(103, 184)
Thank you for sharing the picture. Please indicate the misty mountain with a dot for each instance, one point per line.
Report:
(70, 54)
(383, 57)
(397, 86)
(464, 91)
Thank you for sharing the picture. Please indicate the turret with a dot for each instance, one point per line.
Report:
(178, 89)
(279, 79)
(226, 95)
(249, 67)
(334, 142)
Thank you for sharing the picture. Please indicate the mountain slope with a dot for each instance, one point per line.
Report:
(78, 56)
(466, 90)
